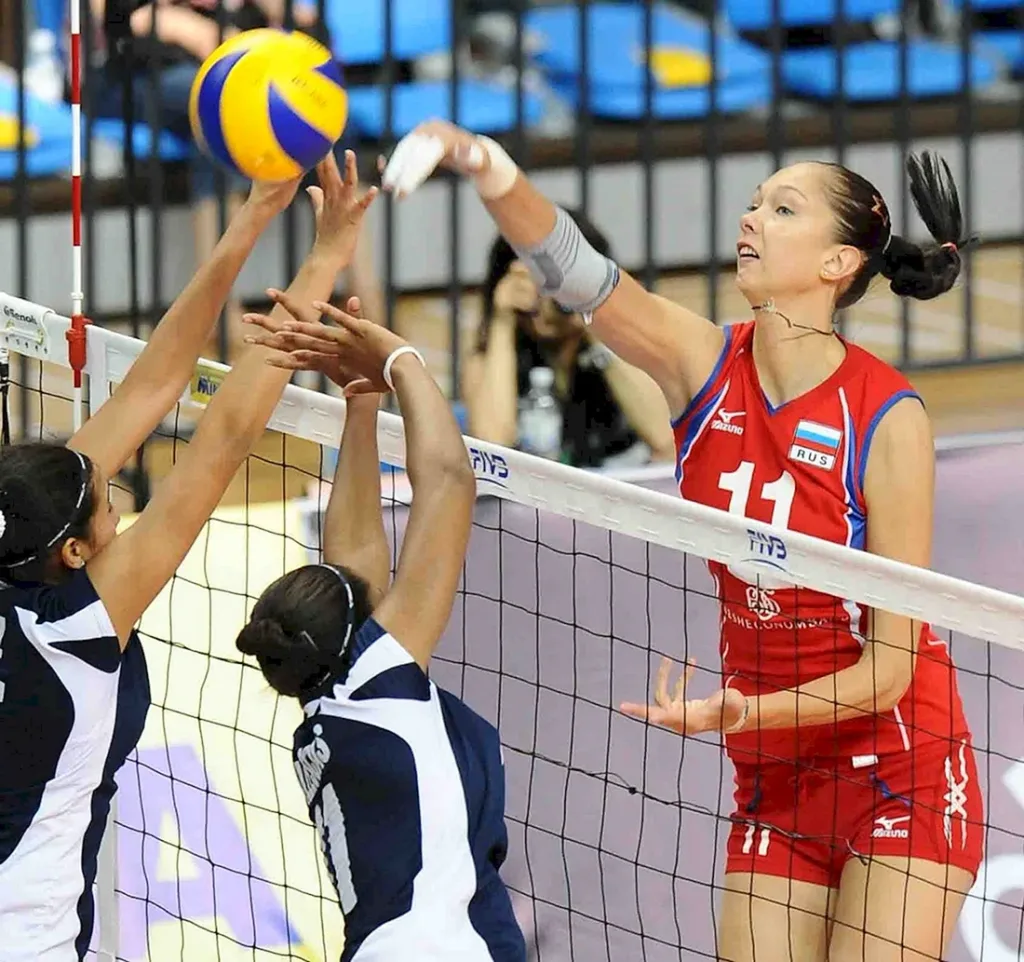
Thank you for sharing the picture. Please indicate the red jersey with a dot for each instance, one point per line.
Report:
(801, 467)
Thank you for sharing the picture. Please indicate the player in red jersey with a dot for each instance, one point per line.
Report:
(857, 831)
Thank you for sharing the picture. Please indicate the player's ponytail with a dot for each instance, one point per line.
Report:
(301, 627)
(863, 221)
(290, 664)
(924, 272)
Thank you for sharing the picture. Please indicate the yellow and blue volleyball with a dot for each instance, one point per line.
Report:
(268, 104)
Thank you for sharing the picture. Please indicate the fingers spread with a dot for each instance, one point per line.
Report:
(351, 171)
(265, 321)
(354, 325)
(661, 685)
(291, 305)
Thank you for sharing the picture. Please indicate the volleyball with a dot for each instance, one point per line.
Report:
(268, 104)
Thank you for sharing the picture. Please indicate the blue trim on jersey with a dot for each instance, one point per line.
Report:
(366, 634)
(701, 395)
(477, 752)
(57, 602)
(103, 654)
(855, 517)
(693, 428)
(403, 681)
(36, 716)
(862, 460)
(373, 773)
(133, 701)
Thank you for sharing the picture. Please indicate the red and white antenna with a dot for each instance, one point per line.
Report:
(76, 334)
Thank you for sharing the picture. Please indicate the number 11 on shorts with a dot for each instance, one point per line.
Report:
(762, 841)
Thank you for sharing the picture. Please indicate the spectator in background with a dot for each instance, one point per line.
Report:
(155, 49)
(612, 414)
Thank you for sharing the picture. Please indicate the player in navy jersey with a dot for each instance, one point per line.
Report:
(404, 783)
(858, 822)
(74, 690)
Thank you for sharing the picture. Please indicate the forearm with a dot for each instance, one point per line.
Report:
(643, 405)
(243, 404)
(434, 446)
(179, 26)
(168, 360)
(873, 685)
(493, 401)
(354, 522)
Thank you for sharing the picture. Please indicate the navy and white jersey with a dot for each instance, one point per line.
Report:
(406, 787)
(72, 707)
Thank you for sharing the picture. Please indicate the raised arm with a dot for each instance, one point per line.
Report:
(158, 377)
(134, 568)
(417, 607)
(675, 346)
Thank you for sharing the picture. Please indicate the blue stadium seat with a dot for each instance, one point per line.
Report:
(51, 123)
(169, 147)
(418, 27)
(50, 15)
(485, 108)
(1008, 43)
(871, 71)
(617, 67)
(757, 14)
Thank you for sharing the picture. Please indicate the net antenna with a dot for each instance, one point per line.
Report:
(76, 333)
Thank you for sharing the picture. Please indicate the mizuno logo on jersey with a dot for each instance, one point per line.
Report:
(886, 827)
(815, 444)
(724, 421)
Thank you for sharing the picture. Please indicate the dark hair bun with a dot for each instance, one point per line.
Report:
(291, 665)
(920, 272)
(928, 271)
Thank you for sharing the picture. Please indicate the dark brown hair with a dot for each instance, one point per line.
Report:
(863, 221)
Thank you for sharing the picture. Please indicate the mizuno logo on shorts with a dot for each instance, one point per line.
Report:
(886, 827)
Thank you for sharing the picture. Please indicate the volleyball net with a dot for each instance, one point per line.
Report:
(574, 586)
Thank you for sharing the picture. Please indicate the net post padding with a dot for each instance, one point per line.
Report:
(616, 506)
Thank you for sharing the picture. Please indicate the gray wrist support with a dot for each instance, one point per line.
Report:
(566, 267)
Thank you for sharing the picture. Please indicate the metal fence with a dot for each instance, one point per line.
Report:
(663, 159)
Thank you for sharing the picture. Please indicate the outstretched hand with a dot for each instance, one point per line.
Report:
(352, 353)
(338, 208)
(433, 144)
(720, 712)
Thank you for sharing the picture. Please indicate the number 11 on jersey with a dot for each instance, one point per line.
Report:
(779, 493)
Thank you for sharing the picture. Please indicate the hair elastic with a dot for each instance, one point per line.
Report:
(949, 245)
(74, 514)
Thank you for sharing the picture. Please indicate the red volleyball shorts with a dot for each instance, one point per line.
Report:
(806, 822)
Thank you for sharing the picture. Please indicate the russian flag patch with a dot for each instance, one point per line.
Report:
(816, 444)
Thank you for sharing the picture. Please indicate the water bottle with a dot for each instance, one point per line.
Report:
(44, 75)
(540, 416)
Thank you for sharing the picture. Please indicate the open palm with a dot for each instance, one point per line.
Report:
(718, 712)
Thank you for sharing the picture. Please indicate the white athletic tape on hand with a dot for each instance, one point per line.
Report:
(417, 155)
(414, 159)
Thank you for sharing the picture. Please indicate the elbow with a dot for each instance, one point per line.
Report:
(889, 682)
